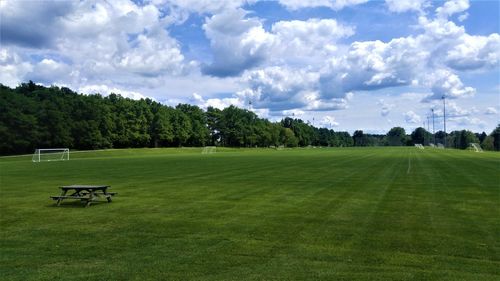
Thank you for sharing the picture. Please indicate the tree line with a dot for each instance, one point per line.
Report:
(34, 116)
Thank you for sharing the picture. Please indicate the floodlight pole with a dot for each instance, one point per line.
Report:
(433, 129)
(444, 118)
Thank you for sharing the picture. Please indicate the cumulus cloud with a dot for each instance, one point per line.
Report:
(328, 122)
(105, 90)
(202, 6)
(412, 118)
(45, 20)
(400, 6)
(302, 41)
(447, 84)
(239, 43)
(474, 52)
(385, 107)
(332, 4)
(467, 121)
(93, 42)
(49, 71)
(219, 103)
(491, 111)
(452, 7)
(153, 54)
(372, 65)
(13, 68)
(279, 88)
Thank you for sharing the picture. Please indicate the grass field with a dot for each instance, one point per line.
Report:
(316, 214)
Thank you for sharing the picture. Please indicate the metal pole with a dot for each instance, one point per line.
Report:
(444, 118)
(433, 130)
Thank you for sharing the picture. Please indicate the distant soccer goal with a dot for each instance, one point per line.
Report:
(50, 154)
(209, 150)
(440, 145)
(476, 147)
(419, 146)
(432, 145)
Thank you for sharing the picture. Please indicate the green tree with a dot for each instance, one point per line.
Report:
(496, 137)
(358, 138)
(396, 136)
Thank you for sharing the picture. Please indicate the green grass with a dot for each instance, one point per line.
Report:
(316, 214)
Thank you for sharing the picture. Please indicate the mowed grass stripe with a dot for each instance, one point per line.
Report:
(353, 214)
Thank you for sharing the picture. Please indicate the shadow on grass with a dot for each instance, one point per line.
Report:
(76, 204)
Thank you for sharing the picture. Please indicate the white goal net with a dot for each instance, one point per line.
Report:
(50, 154)
(476, 147)
(209, 150)
(419, 146)
(440, 145)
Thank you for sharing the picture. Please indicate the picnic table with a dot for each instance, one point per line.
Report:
(84, 193)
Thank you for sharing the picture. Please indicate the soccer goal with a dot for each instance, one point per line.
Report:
(476, 147)
(50, 154)
(419, 146)
(440, 145)
(432, 145)
(209, 150)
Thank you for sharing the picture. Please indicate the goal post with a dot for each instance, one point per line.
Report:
(50, 154)
(476, 147)
(209, 150)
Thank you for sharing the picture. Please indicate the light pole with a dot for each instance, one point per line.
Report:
(444, 118)
(433, 130)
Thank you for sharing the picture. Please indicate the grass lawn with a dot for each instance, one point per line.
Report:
(256, 214)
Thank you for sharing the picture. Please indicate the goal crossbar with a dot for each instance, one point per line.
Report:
(50, 154)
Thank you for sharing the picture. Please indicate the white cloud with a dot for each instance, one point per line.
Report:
(401, 6)
(452, 7)
(467, 121)
(491, 111)
(95, 43)
(328, 122)
(238, 43)
(332, 4)
(153, 54)
(308, 41)
(293, 113)
(13, 68)
(373, 65)
(474, 52)
(49, 71)
(463, 17)
(447, 84)
(202, 6)
(219, 103)
(279, 88)
(412, 118)
(385, 107)
(105, 90)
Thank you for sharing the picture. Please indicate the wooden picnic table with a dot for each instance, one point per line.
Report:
(84, 193)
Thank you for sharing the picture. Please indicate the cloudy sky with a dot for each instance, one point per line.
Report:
(341, 64)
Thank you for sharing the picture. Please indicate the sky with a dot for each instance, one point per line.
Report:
(339, 64)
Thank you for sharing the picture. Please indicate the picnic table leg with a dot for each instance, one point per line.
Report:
(91, 197)
(63, 192)
(108, 196)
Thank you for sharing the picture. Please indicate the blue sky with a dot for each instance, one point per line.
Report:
(341, 64)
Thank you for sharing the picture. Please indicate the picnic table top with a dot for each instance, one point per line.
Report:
(79, 186)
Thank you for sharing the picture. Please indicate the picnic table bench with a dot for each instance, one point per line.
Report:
(85, 193)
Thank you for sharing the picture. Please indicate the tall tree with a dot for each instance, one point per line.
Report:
(396, 136)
